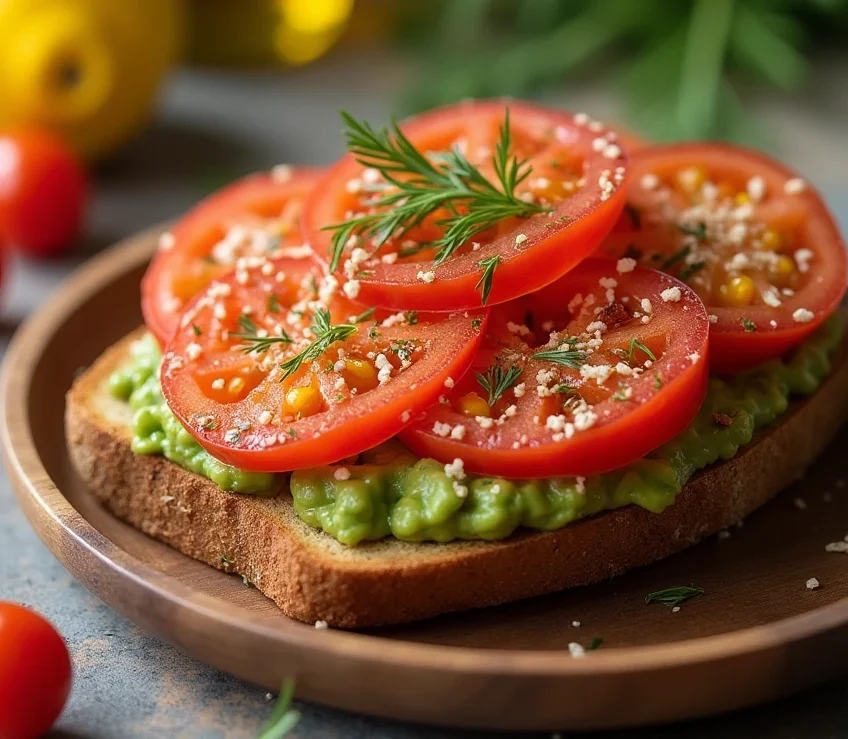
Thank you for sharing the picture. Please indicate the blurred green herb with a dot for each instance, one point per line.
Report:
(284, 718)
(677, 61)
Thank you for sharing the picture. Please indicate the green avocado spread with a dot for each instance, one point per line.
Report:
(157, 431)
(391, 492)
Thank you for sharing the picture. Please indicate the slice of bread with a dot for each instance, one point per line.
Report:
(313, 577)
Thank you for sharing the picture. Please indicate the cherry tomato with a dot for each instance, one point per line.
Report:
(754, 240)
(258, 214)
(271, 369)
(584, 376)
(35, 673)
(577, 177)
(43, 193)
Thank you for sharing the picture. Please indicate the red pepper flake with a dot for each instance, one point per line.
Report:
(722, 419)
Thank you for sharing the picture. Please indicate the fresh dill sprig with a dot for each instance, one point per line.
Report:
(699, 231)
(484, 284)
(571, 358)
(366, 315)
(420, 187)
(496, 381)
(690, 270)
(325, 335)
(636, 344)
(254, 343)
(674, 596)
(284, 718)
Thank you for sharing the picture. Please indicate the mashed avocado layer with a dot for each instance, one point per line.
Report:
(393, 493)
(157, 431)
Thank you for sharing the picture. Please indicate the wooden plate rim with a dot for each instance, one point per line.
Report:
(23, 461)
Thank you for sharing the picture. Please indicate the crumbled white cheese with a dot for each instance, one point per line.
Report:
(342, 474)
(802, 315)
(794, 186)
(813, 584)
(456, 469)
(427, 277)
(576, 650)
(671, 294)
(351, 288)
(625, 264)
(756, 188)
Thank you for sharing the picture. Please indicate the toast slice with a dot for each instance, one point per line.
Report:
(312, 577)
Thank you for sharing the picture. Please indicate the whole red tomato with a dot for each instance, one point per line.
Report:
(35, 673)
(43, 192)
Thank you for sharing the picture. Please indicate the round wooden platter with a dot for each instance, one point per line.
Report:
(756, 634)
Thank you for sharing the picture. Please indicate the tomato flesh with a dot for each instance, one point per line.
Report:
(578, 173)
(230, 375)
(257, 215)
(754, 241)
(612, 365)
(35, 673)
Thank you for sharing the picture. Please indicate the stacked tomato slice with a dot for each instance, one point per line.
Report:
(434, 285)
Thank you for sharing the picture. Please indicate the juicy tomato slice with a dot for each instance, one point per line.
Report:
(271, 369)
(259, 214)
(597, 370)
(578, 173)
(754, 240)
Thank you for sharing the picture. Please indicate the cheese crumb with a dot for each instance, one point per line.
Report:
(520, 239)
(405, 416)
(625, 264)
(813, 584)
(649, 181)
(342, 474)
(519, 390)
(577, 651)
(802, 315)
(441, 429)
(756, 188)
(282, 173)
(694, 357)
(427, 277)
(803, 257)
(458, 432)
(456, 469)
(167, 241)
(794, 186)
(671, 294)
(322, 625)
(351, 288)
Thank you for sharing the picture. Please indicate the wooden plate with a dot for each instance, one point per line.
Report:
(758, 632)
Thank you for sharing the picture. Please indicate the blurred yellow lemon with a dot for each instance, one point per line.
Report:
(261, 31)
(86, 69)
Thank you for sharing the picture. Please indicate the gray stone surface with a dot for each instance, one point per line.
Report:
(212, 127)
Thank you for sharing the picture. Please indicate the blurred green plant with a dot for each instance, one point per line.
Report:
(674, 59)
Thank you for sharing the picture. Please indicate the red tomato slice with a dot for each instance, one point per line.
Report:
(609, 366)
(258, 214)
(755, 241)
(242, 376)
(578, 171)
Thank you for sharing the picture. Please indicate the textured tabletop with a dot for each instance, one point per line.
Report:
(213, 127)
